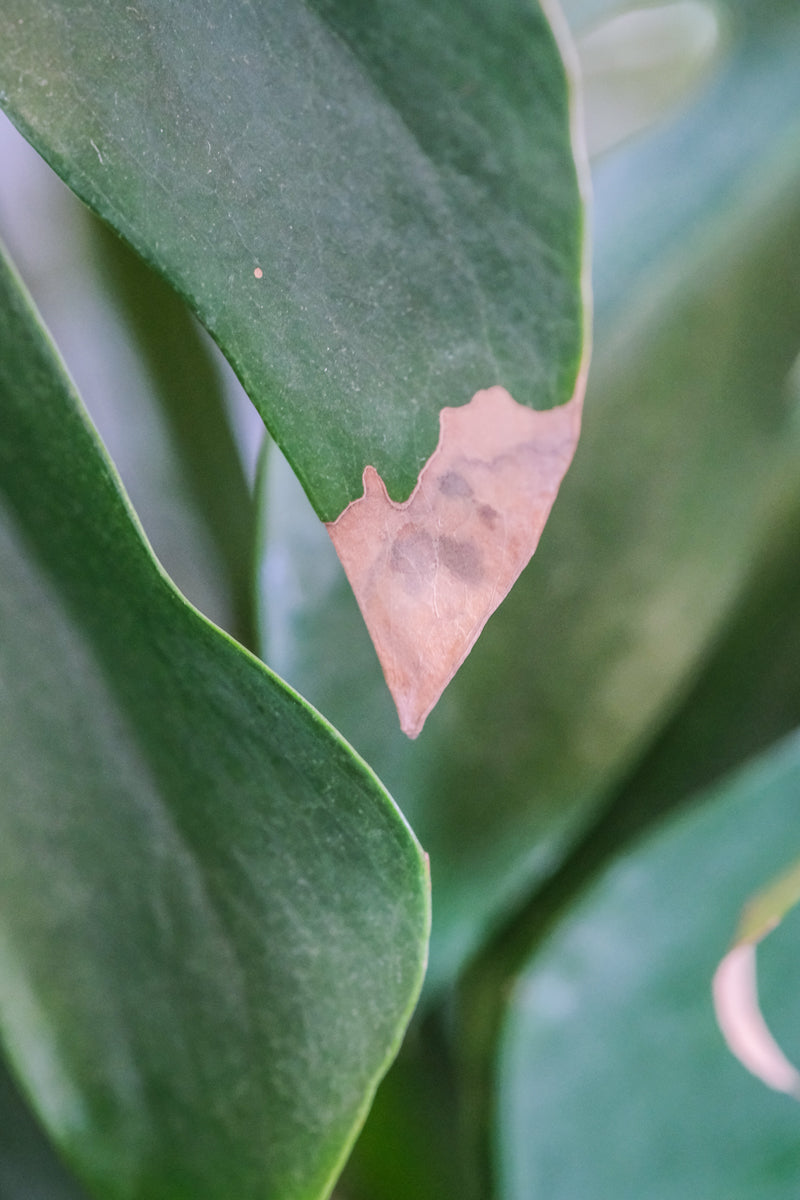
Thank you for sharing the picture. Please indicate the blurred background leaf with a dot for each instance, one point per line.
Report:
(614, 1077)
(642, 63)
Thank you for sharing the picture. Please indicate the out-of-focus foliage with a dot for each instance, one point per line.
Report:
(613, 1024)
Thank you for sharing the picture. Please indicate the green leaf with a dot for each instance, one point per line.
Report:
(614, 1079)
(212, 918)
(374, 209)
(688, 440)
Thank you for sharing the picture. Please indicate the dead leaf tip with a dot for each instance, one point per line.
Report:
(429, 571)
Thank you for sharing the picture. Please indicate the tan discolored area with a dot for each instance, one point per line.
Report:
(739, 1016)
(429, 572)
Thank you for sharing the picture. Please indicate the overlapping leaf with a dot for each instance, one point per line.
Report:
(213, 918)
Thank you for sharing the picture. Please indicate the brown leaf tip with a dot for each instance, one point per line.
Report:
(428, 572)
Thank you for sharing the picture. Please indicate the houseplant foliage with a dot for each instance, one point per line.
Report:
(403, 291)
(416, 221)
(197, 873)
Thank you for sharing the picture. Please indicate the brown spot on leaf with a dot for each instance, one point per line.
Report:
(413, 555)
(461, 559)
(429, 572)
(413, 551)
(453, 484)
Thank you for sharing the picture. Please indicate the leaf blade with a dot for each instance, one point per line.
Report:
(410, 287)
(178, 944)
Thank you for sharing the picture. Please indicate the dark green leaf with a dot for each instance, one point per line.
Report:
(212, 919)
(373, 208)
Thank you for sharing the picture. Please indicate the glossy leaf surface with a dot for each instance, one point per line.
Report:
(374, 209)
(213, 918)
(615, 1079)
